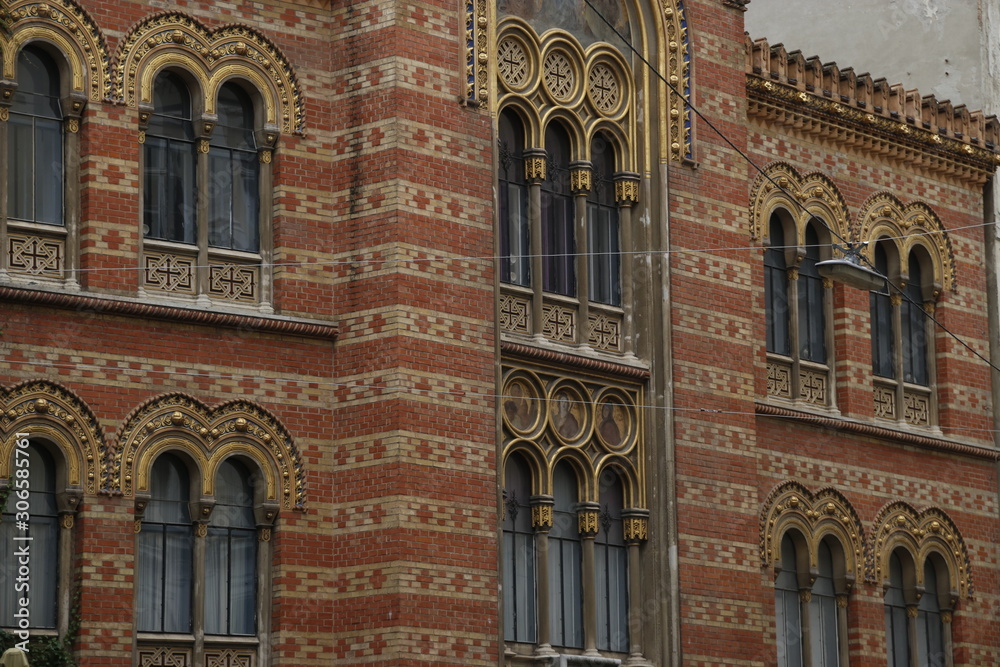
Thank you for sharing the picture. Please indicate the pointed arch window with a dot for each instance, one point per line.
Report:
(515, 264)
(896, 634)
(883, 343)
(812, 311)
(166, 545)
(823, 617)
(913, 321)
(231, 555)
(776, 289)
(611, 565)
(518, 554)
(565, 577)
(930, 628)
(788, 614)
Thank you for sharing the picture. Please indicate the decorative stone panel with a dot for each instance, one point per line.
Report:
(515, 314)
(167, 272)
(28, 253)
(559, 323)
(779, 379)
(606, 332)
(234, 282)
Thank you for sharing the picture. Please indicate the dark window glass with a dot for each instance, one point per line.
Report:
(565, 593)
(165, 548)
(515, 263)
(602, 227)
(558, 234)
(611, 564)
(231, 555)
(35, 142)
(234, 182)
(812, 317)
(518, 555)
(823, 613)
(897, 644)
(788, 615)
(776, 290)
(169, 164)
(914, 324)
(883, 350)
(43, 531)
(930, 632)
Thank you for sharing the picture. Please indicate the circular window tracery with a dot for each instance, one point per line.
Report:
(512, 63)
(604, 88)
(560, 79)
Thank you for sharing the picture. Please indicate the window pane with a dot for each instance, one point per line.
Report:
(914, 323)
(611, 566)
(35, 142)
(776, 291)
(234, 188)
(169, 164)
(513, 214)
(43, 529)
(788, 616)
(896, 640)
(602, 227)
(558, 225)
(823, 613)
(231, 555)
(812, 316)
(883, 350)
(518, 554)
(565, 592)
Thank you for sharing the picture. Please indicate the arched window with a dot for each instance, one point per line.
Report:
(788, 613)
(35, 142)
(883, 346)
(518, 554)
(896, 635)
(231, 555)
(38, 470)
(602, 226)
(611, 565)
(565, 578)
(558, 224)
(776, 289)
(823, 621)
(913, 321)
(165, 551)
(812, 312)
(515, 265)
(234, 188)
(169, 201)
(930, 629)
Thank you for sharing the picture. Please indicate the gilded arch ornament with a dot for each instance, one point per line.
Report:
(678, 71)
(208, 435)
(899, 524)
(802, 196)
(815, 515)
(48, 409)
(910, 225)
(68, 26)
(212, 56)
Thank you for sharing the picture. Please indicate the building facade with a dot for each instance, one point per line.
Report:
(486, 333)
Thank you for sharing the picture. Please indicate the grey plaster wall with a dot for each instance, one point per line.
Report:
(939, 47)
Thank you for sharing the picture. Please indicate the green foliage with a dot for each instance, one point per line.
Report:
(42, 651)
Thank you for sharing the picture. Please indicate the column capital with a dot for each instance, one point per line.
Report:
(636, 525)
(534, 165)
(541, 513)
(580, 177)
(626, 188)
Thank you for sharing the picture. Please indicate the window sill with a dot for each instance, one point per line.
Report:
(915, 437)
(583, 357)
(524, 654)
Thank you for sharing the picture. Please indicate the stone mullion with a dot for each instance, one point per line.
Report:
(627, 194)
(581, 176)
(843, 646)
(198, 593)
(264, 583)
(534, 174)
(73, 110)
(65, 579)
(7, 89)
(202, 196)
(793, 332)
(266, 141)
(587, 517)
(931, 352)
(541, 521)
(805, 627)
(946, 639)
(636, 527)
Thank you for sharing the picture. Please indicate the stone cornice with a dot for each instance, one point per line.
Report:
(881, 432)
(602, 366)
(856, 111)
(208, 318)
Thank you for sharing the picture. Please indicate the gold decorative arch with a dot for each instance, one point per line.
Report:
(209, 436)
(815, 515)
(802, 196)
(213, 56)
(50, 410)
(66, 25)
(921, 533)
(677, 62)
(908, 226)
